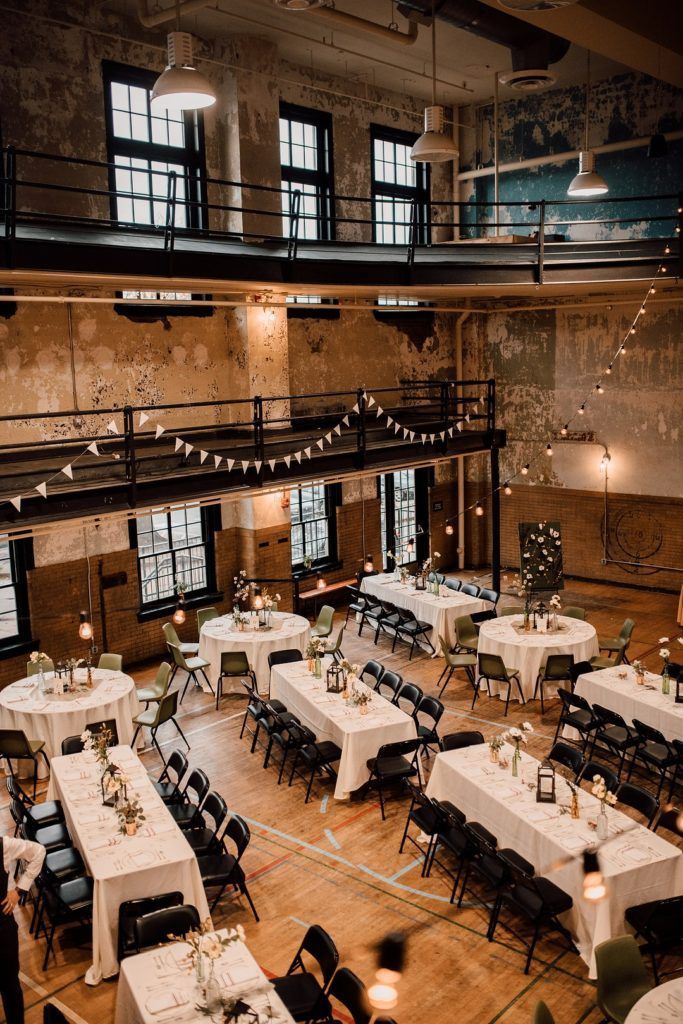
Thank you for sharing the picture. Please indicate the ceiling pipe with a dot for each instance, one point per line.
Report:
(160, 17)
(351, 21)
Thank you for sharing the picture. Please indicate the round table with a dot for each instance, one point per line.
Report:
(528, 652)
(288, 632)
(662, 1005)
(52, 717)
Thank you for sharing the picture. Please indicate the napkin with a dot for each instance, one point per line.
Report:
(634, 855)
(105, 844)
(240, 973)
(92, 818)
(573, 842)
(163, 1001)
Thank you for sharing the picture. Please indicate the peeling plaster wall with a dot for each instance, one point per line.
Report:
(624, 107)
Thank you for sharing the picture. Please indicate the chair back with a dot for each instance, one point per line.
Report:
(13, 743)
(671, 820)
(166, 709)
(648, 733)
(197, 785)
(626, 630)
(639, 799)
(558, 666)
(608, 717)
(337, 644)
(284, 657)
(323, 624)
(162, 678)
(569, 757)
(400, 748)
(53, 1015)
(458, 740)
(392, 681)
(175, 767)
(170, 634)
(622, 975)
(216, 808)
(432, 708)
(234, 663)
(445, 648)
(114, 662)
(162, 925)
(593, 768)
(34, 667)
(72, 745)
(579, 668)
(205, 615)
(492, 666)
(471, 589)
(374, 670)
(411, 693)
(178, 656)
(542, 1014)
(453, 584)
(349, 990)
(101, 726)
(465, 632)
(572, 611)
(489, 595)
(511, 609)
(131, 910)
(237, 831)
(319, 945)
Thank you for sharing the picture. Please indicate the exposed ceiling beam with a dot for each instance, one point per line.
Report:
(603, 35)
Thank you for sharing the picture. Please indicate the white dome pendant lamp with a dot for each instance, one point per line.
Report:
(587, 182)
(181, 86)
(434, 146)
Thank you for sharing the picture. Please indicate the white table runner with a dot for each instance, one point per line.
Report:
(440, 611)
(327, 714)
(638, 865)
(288, 633)
(157, 860)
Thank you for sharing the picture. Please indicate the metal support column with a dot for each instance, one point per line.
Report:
(495, 520)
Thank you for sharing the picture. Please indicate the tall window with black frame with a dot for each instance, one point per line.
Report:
(400, 188)
(306, 167)
(174, 547)
(16, 557)
(313, 526)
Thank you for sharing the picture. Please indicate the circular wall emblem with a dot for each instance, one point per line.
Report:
(639, 535)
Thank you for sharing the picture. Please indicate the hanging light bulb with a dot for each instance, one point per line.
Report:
(179, 613)
(85, 627)
(321, 584)
(507, 488)
(181, 86)
(594, 888)
(434, 146)
(581, 410)
(587, 182)
(449, 529)
(368, 565)
(410, 546)
(667, 250)
(525, 469)
(605, 461)
(599, 388)
(382, 997)
(549, 449)
(609, 369)
(478, 509)
(565, 429)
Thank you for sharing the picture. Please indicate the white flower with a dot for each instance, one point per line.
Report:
(680, 640)
(527, 726)
(611, 799)
(527, 555)
(541, 539)
(597, 778)
(437, 554)
(664, 652)
(544, 551)
(663, 640)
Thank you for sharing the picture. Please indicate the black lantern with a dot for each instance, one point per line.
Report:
(545, 783)
(420, 581)
(111, 799)
(335, 678)
(679, 685)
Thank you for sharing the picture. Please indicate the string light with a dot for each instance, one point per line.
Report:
(368, 565)
(581, 409)
(85, 628)
(449, 529)
(549, 449)
(525, 469)
(479, 509)
(565, 430)
(594, 888)
(599, 388)
(179, 613)
(507, 488)
(609, 369)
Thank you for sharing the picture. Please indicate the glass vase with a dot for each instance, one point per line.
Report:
(527, 622)
(575, 809)
(318, 668)
(41, 679)
(666, 683)
(199, 971)
(516, 758)
(602, 830)
(212, 991)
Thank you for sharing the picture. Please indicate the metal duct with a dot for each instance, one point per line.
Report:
(530, 46)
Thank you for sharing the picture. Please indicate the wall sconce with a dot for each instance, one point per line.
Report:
(85, 627)
(604, 462)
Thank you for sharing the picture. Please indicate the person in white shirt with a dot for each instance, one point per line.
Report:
(32, 856)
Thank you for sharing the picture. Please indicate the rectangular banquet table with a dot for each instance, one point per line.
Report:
(440, 611)
(158, 859)
(638, 865)
(327, 714)
(616, 689)
(159, 986)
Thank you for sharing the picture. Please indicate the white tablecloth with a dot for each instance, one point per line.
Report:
(162, 975)
(663, 1005)
(616, 689)
(52, 717)
(440, 611)
(637, 864)
(289, 632)
(159, 859)
(527, 652)
(327, 714)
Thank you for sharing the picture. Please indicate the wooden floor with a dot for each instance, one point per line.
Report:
(337, 864)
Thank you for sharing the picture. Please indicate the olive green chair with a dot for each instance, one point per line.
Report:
(234, 665)
(159, 688)
(190, 665)
(492, 669)
(114, 662)
(466, 636)
(336, 651)
(557, 669)
(542, 1014)
(205, 615)
(154, 718)
(173, 640)
(323, 625)
(618, 645)
(572, 611)
(622, 977)
(465, 661)
(16, 746)
(33, 667)
(511, 609)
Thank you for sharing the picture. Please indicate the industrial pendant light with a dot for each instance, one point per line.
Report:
(434, 146)
(587, 182)
(181, 86)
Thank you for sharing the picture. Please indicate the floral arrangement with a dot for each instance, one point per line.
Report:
(204, 941)
(241, 586)
(404, 573)
(129, 812)
(639, 670)
(316, 647)
(555, 602)
(37, 657)
(517, 736)
(600, 790)
(268, 600)
(664, 652)
(523, 586)
(496, 742)
(98, 742)
(349, 668)
(308, 562)
(361, 698)
(391, 557)
(71, 664)
(114, 780)
(180, 587)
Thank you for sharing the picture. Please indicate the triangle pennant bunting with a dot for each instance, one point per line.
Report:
(412, 435)
(442, 435)
(16, 502)
(307, 452)
(371, 402)
(258, 465)
(188, 448)
(450, 431)
(328, 437)
(405, 432)
(467, 418)
(42, 488)
(178, 443)
(320, 443)
(431, 438)
(379, 412)
(389, 421)
(68, 471)
(288, 459)
(217, 459)
(112, 428)
(271, 463)
(203, 456)
(230, 464)
(355, 408)
(245, 465)
(92, 448)
(143, 419)
(159, 431)
(423, 438)
(345, 421)
(297, 456)
(459, 425)
(397, 427)
(337, 429)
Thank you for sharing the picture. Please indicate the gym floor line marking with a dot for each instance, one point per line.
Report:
(45, 995)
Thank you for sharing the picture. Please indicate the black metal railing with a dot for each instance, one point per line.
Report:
(31, 195)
